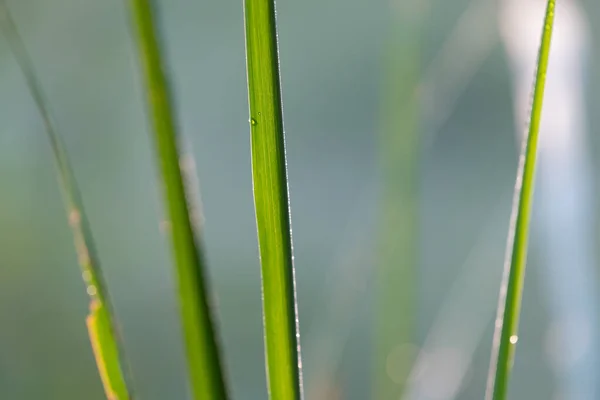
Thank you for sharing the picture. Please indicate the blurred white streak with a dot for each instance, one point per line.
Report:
(454, 66)
(564, 186)
(349, 277)
(445, 78)
(446, 357)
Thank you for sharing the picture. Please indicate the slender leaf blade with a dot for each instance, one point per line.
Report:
(106, 351)
(509, 303)
(271, 199)
(202, 351)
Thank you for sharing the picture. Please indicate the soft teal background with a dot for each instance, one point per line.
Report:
(331, 63)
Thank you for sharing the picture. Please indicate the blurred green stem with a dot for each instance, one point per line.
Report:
(198, 327)
(398, 222)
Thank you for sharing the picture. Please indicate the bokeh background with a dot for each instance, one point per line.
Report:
(335, 69)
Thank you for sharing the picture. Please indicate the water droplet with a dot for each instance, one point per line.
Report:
(514, 339)
(253, 122)
(91, 290)
(259, 114)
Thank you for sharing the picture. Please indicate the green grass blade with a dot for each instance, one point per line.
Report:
(106, 351)
(101, 324)
(202, 351)
(509, 304)
(269, 175)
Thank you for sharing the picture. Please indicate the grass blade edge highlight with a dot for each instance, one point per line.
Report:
(204, 364)
(509, 302)
(271, 199)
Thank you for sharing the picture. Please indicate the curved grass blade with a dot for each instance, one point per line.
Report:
(509, 303)
(202, 351)
(271, 200)
(101, 323)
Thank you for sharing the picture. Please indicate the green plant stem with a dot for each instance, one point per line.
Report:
(269, 174)
(101, 322)
(398, 238)
(509, 304)
(201, 344)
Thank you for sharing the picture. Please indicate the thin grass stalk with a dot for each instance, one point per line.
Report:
(101, 323)
(271, 199)
(204, 364)
(511, 289)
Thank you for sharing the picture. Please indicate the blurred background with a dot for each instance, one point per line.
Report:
(402, 129)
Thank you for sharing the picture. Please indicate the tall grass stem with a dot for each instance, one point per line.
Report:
(511, 289)
(271, 199)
